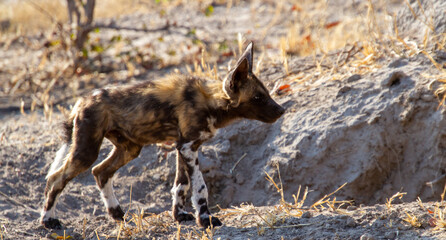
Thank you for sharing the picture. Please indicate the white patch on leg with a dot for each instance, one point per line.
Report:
(59, 160)
(177, 199)
(45, 215)
(50, 213)
(197, 185)
(199, 189)
(187, 152)
(108, 195)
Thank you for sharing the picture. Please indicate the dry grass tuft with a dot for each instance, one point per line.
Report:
(334, 205)
(3, 232)
(438, 220)
(28, 19)
(274, 219)
(363, 40)
(340, 48)
(412, 220)
(37, 15)
(139, 223)
(313, 33)
(389, 201)
(204, 68)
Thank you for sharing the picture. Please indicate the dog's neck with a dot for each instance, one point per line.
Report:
(220, 106)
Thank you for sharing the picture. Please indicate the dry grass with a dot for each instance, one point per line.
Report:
(357, 39)
(324, 203)
(389, 201)
(274, 219)
(3, 232)
(34, 15)
(37, 15)
(28, 19)
(204, 68)
(313, 33)
(362, 39)
(139, 224)
(437, 215)
(412, 220)
(438, 219)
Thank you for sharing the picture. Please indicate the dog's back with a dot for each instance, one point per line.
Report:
(153, 111)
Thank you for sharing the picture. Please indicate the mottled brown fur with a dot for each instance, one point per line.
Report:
(181, 108)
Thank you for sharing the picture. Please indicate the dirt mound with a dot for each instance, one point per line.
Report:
(421, 18)
(380, 133)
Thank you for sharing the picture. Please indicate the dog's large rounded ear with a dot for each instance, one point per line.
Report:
(247, 55)
(236, 77)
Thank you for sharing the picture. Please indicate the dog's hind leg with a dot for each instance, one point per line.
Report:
(123, 152)
(81, 155)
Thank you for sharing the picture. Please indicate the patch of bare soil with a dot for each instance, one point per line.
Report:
(363, 113)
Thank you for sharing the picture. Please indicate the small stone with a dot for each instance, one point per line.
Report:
(378, 224)
(367, 236)
(393, 215)
(156, 176)
(390, 235)
(351, 222)
(343, 90)
(306, 215)
(379, 208)
(440, 54)
(353, 78)
(398, 63)
(404, 227)
(352, 208)
(239, 179)
(427, 97)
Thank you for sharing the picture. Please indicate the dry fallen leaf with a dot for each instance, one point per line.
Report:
(332, 24)
(283, 89)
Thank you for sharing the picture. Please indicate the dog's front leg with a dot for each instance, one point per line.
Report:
(179, 190)
(188, 152)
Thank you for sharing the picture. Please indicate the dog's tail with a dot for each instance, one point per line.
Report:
(63, 152)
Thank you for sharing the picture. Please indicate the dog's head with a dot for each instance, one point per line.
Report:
(248, 96)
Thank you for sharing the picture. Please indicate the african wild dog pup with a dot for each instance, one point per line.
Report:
(185, 109)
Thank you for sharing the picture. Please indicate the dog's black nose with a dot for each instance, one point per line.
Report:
(281, 110)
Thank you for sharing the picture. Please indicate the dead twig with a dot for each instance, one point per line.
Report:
(435, 181)
(236, 163)
(119, 28)
(15, 202)
(292, 226)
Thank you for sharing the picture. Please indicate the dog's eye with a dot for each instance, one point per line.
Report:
(257, 98)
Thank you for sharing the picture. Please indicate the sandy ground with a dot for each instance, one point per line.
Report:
(379, 130)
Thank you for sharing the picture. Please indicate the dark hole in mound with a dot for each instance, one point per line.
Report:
(395, 79)
(395, 82)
